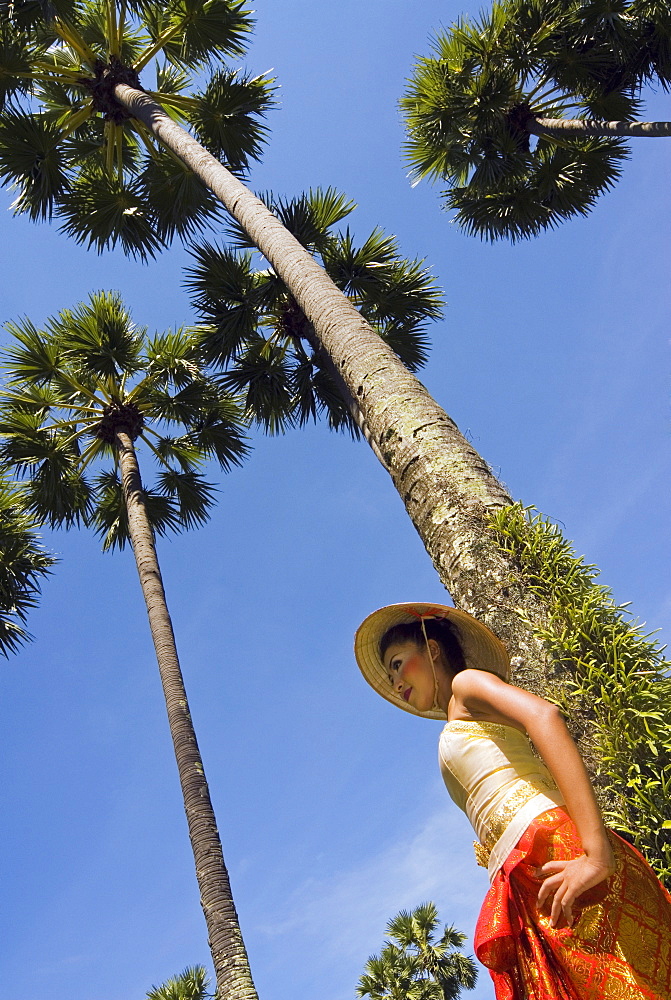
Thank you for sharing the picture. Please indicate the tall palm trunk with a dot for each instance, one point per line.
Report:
(579, 128)
(448, 490)
(234, 979)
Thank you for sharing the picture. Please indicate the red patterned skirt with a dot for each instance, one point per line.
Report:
(619, 947)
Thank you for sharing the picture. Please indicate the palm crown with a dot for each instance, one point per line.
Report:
(191, 984)
(90, 372)
(254, 328)
(69, 148)
(416, 964)
(469, 106)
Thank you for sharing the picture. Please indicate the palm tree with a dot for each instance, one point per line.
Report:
(68, 147)
(546, 70)
(415, 965)
(81, 395)
(79, 64)
(254, 329)
(191, 984)
(23, 565)
(394, 975)
(441, 959)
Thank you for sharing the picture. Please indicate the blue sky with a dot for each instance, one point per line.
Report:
(553, 358)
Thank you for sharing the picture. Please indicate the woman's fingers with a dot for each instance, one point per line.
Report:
(565, 881)
(549, 886)
(562, 904)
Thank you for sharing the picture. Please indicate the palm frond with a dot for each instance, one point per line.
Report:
(201, 31)
(193, 495)
(99, 337)
(24, 564)
(191, 984)
(228, 117)
(261, 375)
(180, 203)
(110, 517)
(219, 433)
(32, 162)
(32, 357)
(225, 293)
(100, 211)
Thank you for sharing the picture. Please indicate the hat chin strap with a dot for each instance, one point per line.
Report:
(435, 707)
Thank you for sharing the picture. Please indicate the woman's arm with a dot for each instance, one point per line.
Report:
(484, 695)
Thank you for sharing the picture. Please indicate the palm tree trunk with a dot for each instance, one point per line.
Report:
(578, 128)
(234, 978)
(449, 491)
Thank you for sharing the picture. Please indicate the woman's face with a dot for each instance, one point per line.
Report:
(410, 673)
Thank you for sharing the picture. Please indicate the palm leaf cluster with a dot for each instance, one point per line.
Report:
(416, 964)
(23, 565)
(89, 373)
(254, 330)
(68, 148)
(470, 104)
(191, 984)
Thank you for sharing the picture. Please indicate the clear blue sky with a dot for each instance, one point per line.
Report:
(553, 358)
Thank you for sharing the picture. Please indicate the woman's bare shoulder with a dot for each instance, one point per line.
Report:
(480, 694)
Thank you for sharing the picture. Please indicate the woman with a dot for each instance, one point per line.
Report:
(573, 912)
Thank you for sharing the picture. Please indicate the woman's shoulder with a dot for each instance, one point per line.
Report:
(474, 681)
(481, 696)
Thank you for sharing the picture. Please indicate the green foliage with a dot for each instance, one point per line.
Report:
(609, 663)
(70, 150)
(188, 985)
(471, 104)
(23, 565)
(255, 331)
(415, 964)
(89, 373)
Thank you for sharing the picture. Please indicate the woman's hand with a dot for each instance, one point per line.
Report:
(565, 881)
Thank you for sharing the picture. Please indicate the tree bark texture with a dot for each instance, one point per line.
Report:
(448, 490)
(233, 975)
(578, 128)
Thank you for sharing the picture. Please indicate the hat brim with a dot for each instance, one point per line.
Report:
(480, 647)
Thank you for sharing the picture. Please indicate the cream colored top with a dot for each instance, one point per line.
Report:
(492, 774)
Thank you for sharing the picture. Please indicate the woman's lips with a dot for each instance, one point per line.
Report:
(406, 694)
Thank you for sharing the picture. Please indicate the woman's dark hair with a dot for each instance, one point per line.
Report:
(439, 629)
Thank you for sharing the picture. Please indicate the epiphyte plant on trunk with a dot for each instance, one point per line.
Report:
(255, 330)
(524, 112)
(81, 398)
(68, 147)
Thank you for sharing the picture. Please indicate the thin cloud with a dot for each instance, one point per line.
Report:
(339, 920)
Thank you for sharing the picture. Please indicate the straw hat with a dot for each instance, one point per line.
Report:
(481, 649)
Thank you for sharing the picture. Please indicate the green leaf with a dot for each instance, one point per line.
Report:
(101, 211)
(24, 564)
(219, 434)
(99, 337)
(34, 358)
(208, 29)
(194, 495)
(261, 373)
(191, 984)
(226, 294)
(228, 117)
(180, 203)
(32, 163)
